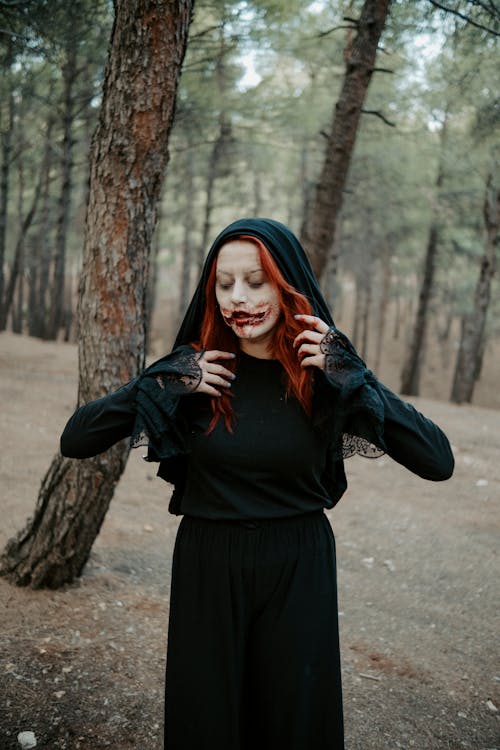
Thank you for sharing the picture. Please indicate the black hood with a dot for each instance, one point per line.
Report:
(290, 258)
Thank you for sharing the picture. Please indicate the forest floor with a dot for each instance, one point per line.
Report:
(83, 667)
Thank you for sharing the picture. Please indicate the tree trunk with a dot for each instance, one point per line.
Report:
(219, 150)
(153, 277)
(360, 61)
(70, 75)
(39, 308)
(365, 320)
(187, 249)
(471, 348)
(18, 259)
(257, 192)
(4, 187)
(128, 160)
(17, 308)
(358, 307)
(331, 287)
(410, 377)
(397, 316)
(383, 306)
(209, 204)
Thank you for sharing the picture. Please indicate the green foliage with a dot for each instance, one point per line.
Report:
(263, 141)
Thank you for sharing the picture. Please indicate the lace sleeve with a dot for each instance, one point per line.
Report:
(159, 389)
(359, 407)
(178, 373)
(353, 445)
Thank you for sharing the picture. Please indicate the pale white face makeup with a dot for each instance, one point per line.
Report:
(248, 301)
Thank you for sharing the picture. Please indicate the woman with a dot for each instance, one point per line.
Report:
(250, 417)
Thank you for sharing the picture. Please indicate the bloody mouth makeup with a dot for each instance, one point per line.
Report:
(239, 320)
(247, 300)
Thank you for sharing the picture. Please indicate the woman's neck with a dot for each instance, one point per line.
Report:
(258, 349)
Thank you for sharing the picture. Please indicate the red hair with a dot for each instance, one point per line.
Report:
(215, 334)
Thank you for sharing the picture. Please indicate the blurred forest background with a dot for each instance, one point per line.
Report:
(410, 276)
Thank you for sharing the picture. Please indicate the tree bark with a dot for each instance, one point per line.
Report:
(360, 56)
(70, 74)
(4, 184)
(469, 358)
(383, 306)
(365, 319)
(187, 248)
(17, 308)
(219, 149)
(128, 160)
(18, 259)
(410, 376)
(41, 256)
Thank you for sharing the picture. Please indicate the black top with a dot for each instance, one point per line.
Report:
(270, 466)
(274, 462)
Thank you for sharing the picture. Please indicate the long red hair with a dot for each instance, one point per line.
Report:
(215, 334)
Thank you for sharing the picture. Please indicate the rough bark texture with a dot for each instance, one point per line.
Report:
(471, 348)
(128, 160)
(360, 61)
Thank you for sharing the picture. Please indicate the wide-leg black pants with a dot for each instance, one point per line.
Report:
(253, 650)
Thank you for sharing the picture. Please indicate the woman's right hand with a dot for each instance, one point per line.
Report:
(214, 376)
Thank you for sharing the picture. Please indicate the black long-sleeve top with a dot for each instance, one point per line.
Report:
(273, 464)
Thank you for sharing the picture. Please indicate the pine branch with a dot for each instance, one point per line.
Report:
(380, 115)
(334, 28)
(464, 17)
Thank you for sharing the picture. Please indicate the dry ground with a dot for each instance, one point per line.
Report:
(83, 668)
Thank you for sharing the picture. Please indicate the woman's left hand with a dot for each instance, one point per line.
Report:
(309, 341)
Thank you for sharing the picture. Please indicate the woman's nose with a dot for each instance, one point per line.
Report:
(238, 292)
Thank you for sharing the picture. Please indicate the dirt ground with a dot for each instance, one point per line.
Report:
(83, 668)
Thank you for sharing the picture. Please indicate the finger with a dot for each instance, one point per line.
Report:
(317, 361)
(219, 370)
(213, 354)
(308, 348)
(309, 335)
(314, 321)
(215, 380)
(208, 389)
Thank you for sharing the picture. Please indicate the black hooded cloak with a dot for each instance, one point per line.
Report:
(346, 407)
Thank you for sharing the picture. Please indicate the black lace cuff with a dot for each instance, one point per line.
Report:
(359, 408)
(159, 389)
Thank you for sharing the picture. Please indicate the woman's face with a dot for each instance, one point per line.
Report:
(248, 301)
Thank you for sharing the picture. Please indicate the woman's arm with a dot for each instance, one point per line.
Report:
(145, 405)
(98, 425)
(371, 409)
(412, 439)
